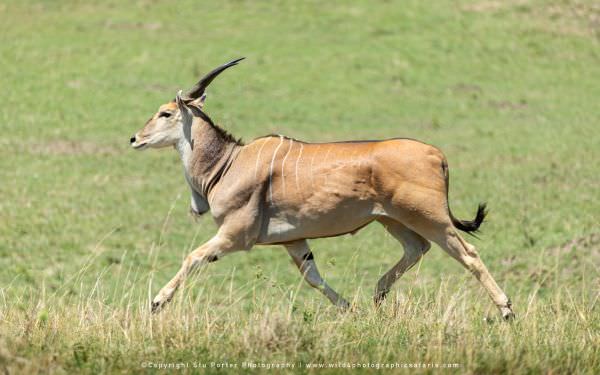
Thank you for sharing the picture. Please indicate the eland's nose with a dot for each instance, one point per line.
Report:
(132, 139)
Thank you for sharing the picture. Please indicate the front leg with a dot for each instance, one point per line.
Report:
(239, 227)
(211, 251)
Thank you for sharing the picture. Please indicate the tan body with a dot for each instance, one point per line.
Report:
(277, 190)
(328, 189)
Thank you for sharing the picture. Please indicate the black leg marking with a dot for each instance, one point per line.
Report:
(308, 256)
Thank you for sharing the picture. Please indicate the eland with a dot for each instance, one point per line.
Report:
(277, 190)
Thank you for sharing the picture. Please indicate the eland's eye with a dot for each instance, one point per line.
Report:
(164, 114)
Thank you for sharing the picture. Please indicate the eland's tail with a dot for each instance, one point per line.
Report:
(468, 226)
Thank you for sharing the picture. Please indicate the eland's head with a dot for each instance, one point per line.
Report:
(166, 126)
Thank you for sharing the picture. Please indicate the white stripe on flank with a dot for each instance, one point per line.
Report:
(312, 181)
(297, 162)
(258, 157)
(271, 169)
(283, 165)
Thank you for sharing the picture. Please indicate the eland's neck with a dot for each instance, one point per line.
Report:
(206, 153)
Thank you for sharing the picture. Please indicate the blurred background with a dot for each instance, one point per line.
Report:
(509, 90)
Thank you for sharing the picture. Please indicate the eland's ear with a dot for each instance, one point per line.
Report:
(180, 102)
(200, 101)
(183, 108)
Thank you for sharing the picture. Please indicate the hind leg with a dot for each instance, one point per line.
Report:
(415, 247)
(304, 260)
(426, 212)
(467, 255)
(447, 237)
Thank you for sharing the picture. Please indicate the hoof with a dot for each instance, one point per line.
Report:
(344, 306)
(507, 313)
(379, 298)
(155, 307)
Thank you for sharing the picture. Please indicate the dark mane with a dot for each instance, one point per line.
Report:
(228, 136)
(225, 135)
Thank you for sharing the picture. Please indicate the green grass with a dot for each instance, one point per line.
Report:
(89, 229)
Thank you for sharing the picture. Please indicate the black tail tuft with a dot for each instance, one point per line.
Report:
(471, 225)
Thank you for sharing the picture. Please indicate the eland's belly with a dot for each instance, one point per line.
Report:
(287, 224)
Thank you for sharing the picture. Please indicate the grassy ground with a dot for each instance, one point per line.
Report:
(89, 229)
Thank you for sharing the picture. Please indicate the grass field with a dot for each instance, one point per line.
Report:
(90, 230)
